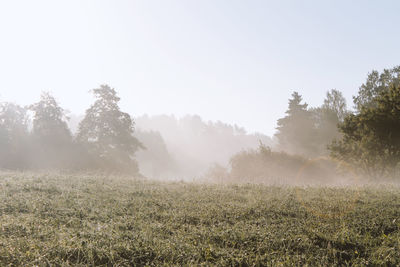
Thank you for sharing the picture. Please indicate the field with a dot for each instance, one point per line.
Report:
(53, 219)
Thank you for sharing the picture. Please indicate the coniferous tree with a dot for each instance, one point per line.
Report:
(296, 131)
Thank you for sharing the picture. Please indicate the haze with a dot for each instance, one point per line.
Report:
(199, 132)
(234, 61)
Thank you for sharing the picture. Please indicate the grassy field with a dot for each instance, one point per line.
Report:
(96, 220)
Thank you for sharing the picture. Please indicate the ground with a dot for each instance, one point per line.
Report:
(54, 219)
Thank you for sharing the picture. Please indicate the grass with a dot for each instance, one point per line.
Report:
(61, 220)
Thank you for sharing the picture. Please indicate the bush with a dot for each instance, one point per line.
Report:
(267, 166)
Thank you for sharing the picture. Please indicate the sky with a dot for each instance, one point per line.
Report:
(228, 60)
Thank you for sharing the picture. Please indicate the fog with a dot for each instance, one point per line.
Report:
(327, 144)
(190, 132)
(252, 92)
(191, 144)
(185, 148)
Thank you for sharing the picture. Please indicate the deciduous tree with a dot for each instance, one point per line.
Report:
(376, 83)
(371, 138)
(13, 136)
(51, 137)
(107, 133)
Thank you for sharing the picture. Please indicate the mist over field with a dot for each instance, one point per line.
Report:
(324, 145)
(261, 92)
(329, 144)
(185, 148)
(199, 133)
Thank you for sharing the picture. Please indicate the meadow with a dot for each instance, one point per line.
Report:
(61, 220)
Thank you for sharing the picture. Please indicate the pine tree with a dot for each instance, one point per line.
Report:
(296, 130)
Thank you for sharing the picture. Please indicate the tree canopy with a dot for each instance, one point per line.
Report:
(13, 136)
(38, 136)
(371, 138)
(107, 132)
(375, 84)
(51, 137)
(295, 130)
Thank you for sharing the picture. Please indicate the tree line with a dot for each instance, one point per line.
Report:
(104, 140)
(183, 148)
(365, 139)
(367, 136)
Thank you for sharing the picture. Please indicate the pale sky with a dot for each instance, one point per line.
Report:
(234, 61)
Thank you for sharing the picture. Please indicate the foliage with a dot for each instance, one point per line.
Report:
(105, 140)
(51, 137)
(326, 120)
(295, 130)
(308, 131)
(336, 104)
(264, 165)
(371, 138)
(375, 84)
(192, 143)
(217, 173)
(154, 158)
(270, 167)
(66, 220)
(14, 136)
(107, 133)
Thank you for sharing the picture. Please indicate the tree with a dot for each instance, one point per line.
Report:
(155, 160)
(371, 138)
(50, 134)
(327, 117)
(107, 133)
(376, 83)
(264, 165)
(13, 136)
(336, 103)
(296, 130)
